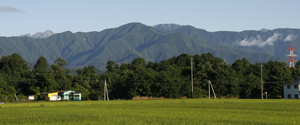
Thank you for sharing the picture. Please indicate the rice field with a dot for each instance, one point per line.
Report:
(170, 111)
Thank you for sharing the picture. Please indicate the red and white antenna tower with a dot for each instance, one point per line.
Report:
(291, 55)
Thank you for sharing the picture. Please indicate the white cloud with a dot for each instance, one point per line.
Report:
(251, 42)
(290, 38)
(271, 40)
(7, 9)
(259, 42)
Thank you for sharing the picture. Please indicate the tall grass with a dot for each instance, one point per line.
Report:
(176, 111)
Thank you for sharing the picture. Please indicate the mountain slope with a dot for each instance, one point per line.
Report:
(273, 42)
(133, 40)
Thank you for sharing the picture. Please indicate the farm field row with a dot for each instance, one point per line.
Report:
(171, 111)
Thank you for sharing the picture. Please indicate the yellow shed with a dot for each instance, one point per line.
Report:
(51, 96)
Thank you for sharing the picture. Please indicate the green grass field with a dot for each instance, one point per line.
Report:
(172, 111)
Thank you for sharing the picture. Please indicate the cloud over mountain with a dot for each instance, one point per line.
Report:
(290, 38)
(258, 41)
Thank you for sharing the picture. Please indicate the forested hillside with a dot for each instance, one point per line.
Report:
(273, 42)
(170, 78)
(136, 40)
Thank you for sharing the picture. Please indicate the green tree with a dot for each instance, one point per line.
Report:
(276, 74)
(60, 75)
(41, 65)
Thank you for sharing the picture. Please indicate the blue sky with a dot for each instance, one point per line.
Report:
(30, 16)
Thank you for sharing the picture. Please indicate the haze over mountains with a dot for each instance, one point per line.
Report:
(133, 40)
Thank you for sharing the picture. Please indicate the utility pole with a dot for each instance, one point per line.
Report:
(104, 98)
(210, 85)
(208, 89)
(192, 74)
(213, 89)
(262, 97)
(105, 92)
(16, 97)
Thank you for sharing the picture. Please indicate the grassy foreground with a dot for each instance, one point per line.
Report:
(176, 111)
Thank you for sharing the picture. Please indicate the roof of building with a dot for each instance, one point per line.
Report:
(49, 92)
(61, 91)
(297, 81)
(75, 92)
(64, 90)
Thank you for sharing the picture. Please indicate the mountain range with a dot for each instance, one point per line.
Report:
(154, 43)
(45, 34)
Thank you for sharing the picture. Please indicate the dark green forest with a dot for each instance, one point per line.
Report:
(170, 78)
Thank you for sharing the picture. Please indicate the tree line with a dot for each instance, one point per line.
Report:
(170, 78)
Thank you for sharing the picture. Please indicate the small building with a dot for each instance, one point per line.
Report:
(69, 95)
(50, 96)
(30, 97)
(76, 96)
(291, 91)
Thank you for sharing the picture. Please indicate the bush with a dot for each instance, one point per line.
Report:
(21, 97)
(2, 98)
(11, 98)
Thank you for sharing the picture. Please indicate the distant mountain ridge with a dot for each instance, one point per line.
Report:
(45, 34)
(169, 27)
(133, 40)
(273, 42)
